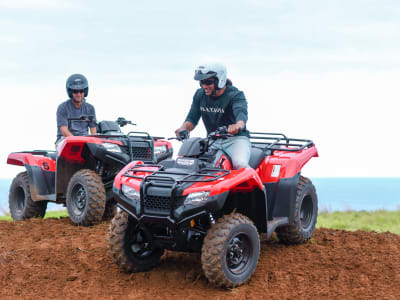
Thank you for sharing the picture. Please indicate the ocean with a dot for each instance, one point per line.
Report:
(334, 194)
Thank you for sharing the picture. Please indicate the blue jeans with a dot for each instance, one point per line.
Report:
(238, 149)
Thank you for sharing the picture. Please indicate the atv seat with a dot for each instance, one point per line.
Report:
(256, 157)
(108, 127)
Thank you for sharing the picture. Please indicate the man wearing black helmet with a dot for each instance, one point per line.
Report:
(75, 107)
(219, 103)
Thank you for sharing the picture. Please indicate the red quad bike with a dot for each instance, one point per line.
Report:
(197, 203)
(82, 175)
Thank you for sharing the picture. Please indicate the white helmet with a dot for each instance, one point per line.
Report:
(209, 70)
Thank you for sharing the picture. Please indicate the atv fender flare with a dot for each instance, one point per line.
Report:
(41, 173)
(242, 180)
(118, 178)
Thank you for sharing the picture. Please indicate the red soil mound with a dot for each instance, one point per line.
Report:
(54, 259)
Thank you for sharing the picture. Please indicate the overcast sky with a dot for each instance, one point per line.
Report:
(310, 69)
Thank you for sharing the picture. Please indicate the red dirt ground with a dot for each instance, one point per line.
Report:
(53, 259)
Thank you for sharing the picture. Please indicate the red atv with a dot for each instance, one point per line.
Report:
(82, 174)
(198, 203)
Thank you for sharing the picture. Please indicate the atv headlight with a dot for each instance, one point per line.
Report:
(131, 193)
(160, 149)
(196, 198)
(112, 147)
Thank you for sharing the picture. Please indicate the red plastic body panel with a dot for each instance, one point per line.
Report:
(238, 180)
(226, 164)
(135, 183)
(22, 159)
(290, 163)
(72, 146)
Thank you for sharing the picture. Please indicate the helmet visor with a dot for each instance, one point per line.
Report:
(202, 73)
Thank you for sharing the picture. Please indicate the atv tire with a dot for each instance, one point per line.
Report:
(111, 206)
(20, 201)
(305, 215)
(86, 198)
(230, 251)
(129, 247)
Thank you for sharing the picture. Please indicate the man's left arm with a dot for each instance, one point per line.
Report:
(92, 125)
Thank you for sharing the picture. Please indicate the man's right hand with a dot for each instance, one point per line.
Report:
(177, 131)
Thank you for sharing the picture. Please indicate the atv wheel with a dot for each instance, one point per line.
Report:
(111, 207)
(129, 245)
(305, 215)
(110, 210)
(20, 201)
(230, 251)
(86, 198)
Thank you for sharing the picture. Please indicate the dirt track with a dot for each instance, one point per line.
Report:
(54, 259)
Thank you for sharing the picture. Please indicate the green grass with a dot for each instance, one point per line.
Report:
(379, 221)
(49, 214)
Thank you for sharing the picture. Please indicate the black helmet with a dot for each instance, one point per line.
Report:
(77, 82)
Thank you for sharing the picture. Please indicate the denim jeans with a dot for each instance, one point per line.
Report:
(238, 149)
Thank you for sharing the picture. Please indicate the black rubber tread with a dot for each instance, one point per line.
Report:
(111, 206)
(118, 246)
(214, 248)
(110, 210)
(294, 233)
(96, 198)
(31, 208)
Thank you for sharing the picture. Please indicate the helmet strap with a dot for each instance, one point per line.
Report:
(216, 88)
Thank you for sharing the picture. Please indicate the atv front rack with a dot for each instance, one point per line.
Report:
(171, 181)
(270, 142)
(163, 175)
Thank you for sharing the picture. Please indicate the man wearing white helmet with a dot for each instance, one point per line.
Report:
(219, 103)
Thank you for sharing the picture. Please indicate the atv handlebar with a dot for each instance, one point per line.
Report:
(219, 133)
(90, 118)
(182, 135)
(122, 122)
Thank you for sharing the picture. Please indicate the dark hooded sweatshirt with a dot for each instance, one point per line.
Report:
(224, 110)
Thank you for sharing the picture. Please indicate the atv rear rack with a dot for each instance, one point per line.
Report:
(162, 175)
(278, 142)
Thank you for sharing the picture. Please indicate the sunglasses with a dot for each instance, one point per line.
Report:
(207, 82)
(78, 91)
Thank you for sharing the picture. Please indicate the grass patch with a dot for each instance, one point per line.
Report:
(49, 214)
(379, 221)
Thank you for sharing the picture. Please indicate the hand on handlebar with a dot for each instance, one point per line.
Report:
(181, 134)
(234, 128)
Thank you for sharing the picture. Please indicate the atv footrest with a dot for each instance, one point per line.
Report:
(274, 223)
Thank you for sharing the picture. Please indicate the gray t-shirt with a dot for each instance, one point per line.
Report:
(68, 110)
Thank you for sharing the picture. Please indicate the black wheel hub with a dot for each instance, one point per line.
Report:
(238, 254)
(78, 197)
(139, 246)
(306, 212)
